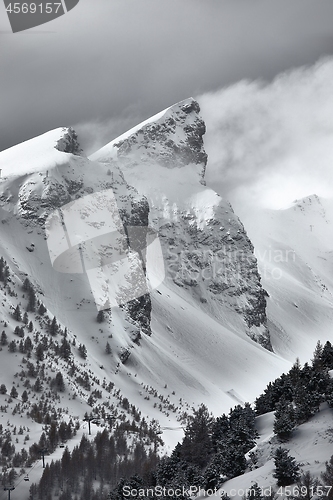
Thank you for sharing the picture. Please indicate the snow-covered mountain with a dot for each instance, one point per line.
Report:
(207, 253)
(216, 328)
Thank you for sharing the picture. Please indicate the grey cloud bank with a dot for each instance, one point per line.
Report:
(268, 144)
(114, 63)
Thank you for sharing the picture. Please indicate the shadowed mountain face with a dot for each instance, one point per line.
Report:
(206, 250)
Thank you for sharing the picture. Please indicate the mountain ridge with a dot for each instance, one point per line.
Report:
(202, 325)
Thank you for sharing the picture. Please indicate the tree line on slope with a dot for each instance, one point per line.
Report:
(212, 450)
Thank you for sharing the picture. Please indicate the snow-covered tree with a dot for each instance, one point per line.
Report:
(17, 313)
(41, 309)
(83, 351)
(254, 492)
(54, 327)
(327, 355)
(317, 362)
(3, 339)
(12, 346)
(197, 443)
(286, 469)
(13, 392)
(284, 422)
(100, 317)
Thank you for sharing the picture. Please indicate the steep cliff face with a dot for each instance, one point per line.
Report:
(206, 250)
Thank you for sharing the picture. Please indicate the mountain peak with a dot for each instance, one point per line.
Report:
(309, 204)
(171, 138)
(39, 153)
(307, 200)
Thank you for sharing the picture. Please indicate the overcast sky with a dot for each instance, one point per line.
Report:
(109, 64)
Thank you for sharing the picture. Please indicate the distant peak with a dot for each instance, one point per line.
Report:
(308, 200)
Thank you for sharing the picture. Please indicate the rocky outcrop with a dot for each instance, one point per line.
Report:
(173, 140)
(69, 143)
(206, 249)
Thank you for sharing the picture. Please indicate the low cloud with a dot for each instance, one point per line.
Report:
(95, 134)
(269, 144)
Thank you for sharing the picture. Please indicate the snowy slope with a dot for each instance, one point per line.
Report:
(310, 444)
(294, 248)
(35, 155)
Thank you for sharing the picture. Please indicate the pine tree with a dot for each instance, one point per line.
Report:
(40, 352)
(28, 345)
(13, 392)
(21, 346)
(26, 284)
(295, 372)
(242, 431)
(254, 493)
(65, 349)
(3, 340)
(31, 300)
(41, 309)
(317, 363)
(12, 346)
(3, 389)
(309, 392)
(54, 327)
(286, 469)
(18, 331)
(233, 461)
(327, 355)
(17, 313)
(197, 443)
(108, 349)
(83, 351)
(59, 381)
(24, 396)
(220, 430)
(100, 317)
(284, 422)
(37, 385)
(25, 318)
